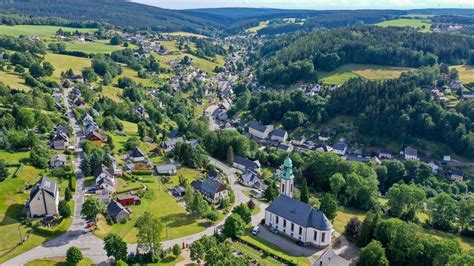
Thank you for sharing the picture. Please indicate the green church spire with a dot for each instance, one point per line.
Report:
(288, 169)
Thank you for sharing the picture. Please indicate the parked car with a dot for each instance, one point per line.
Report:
(255, 230)
(274, 230)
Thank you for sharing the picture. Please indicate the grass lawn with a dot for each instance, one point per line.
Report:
(261, 25)
(203, 64)
(13, 157)
(406, 22)
(97, 47)
(13, 80)
(466, 73)
(112, 92)
(65, 62)
(177, 222)
(58, 261)
(43, 31)
(169, 260)
(371, 72)
(255, 255)
(344, 215)
(273, 249)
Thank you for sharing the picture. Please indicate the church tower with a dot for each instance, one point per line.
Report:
(287, 178)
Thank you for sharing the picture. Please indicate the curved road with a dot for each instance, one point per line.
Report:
(92, 246)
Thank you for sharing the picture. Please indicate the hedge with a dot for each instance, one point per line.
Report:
(72, 183)
(256, 244)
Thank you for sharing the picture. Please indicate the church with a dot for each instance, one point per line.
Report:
(294, 218)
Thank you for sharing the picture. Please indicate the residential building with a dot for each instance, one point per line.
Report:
(118, 212)
(57, 160)
(136, 155)
(60, 141)
(259, 131)
(330, 258)
(324, 136)
(128, 199)
(285, 147)
(340, 148)
(411, 153)
(457, 174)
(279, 135)
(44, 199)
(213, 190)
(385, 154)
(166, 169)
(104, 178)
(243, 163)
(251, 178)
(299, 140)
(169, 145)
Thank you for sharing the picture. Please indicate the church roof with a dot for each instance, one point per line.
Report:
(299, 213)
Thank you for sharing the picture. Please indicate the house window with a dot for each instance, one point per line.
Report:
(323, 237)
(292, 227)
(282, 188)
(284, 223)
(277, 220)
(291, 187)
(315, 235)
(301, 230)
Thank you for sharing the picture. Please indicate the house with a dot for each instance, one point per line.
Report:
(212, 174)
(299, 140)
(340, 148)
(96, 136)
(136, 155)
(57, 160)
(140, 110)
(118, 212)
(44, 199)
(300, 221)
(60, 141)
(178, 191)
(456, 85)
(256, 193)
(434, 166)
(323, 136)
(385, 154)
(169, 145)
(411, 153)
(213, 190)
(285, 148)
(244, 163)
(259, 131)
(166, 169)
(103, 172)
(279, 135)
(128, 199)
(79, 102)
(457, 174)
(330, 258)
(324, 148)
(446, 158)
(250, 178)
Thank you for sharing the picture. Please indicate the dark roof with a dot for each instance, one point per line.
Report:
(411, 151)
(102, 169)
(340, 146)
(279, 132)
(62, 129)
(299, 213)
(196, 184)
(212, 186)
(212, 174)
(114, 208)
(105, 180)
(173, 134)
(45, 184)
(135, 153)
(457, 172)
(324, 134)
(284, 147)
(245, 162)
(127, 196)
(257, 126)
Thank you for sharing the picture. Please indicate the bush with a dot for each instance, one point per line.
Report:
(73, 255)
(72, 183)
(67, 194)
(64, 209)
(176, 250)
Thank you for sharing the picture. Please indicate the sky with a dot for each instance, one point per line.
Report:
(312, 4)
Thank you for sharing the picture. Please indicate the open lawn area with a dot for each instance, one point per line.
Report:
(43, 31)
(13, 80)
(261, 25)
(58, 261)
(161, 204)
(112, 92)
(255, 255)
(372, 72)
(13, 157)
(65, 62)
(97, 47)
(406, 22)
(466, 73)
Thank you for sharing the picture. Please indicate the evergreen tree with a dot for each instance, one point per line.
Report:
(304, 194)
(230, 155)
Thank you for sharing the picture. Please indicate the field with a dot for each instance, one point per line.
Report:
(371, 72)
(466, 73)
(405, 22)
(177, 222)
(96, 47)
(58, 261)
(42, 31)
(261, 25)
(64, 62)
(13, 80)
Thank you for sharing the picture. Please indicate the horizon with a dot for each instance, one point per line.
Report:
(312, 4)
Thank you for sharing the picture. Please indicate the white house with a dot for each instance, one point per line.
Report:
(166, 169)
(251, 178)
(104, 179)
(340, 148)
(57, 160)
(44, 199)
(212, 189)
(411, 153)
(279, 135)
(244, 163)
(260, 131)
(457, 174)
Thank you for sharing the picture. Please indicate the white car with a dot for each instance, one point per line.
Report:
(255, 230)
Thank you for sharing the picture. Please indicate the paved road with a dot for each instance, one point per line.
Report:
(209, 112)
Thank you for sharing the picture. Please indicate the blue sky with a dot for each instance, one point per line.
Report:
(313, 4)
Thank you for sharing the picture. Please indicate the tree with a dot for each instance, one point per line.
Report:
(251, 204)
(292, 120)
(337, 182)
(271, 192)
(132, 143)
(304, 193)
(89, 75)
(115, 247)
(149, 230)
(466, 213)
(141, 129)
(36, 70)
(125, 82)
(116, 40)
(329, 206)
(465, 258)
(39, 156)
(48, 68)
(234, 226)
(454, 74)
(67, 194)
(3, 170)
(64, 209)
(352, 228)
(73, 255)
(176, 250)
(92, 207)
(442, 210)
(198, 205)
(403, 198)
(444, 69)
(367, 229)
(373, 255)
(230, 155)
(244, 212)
